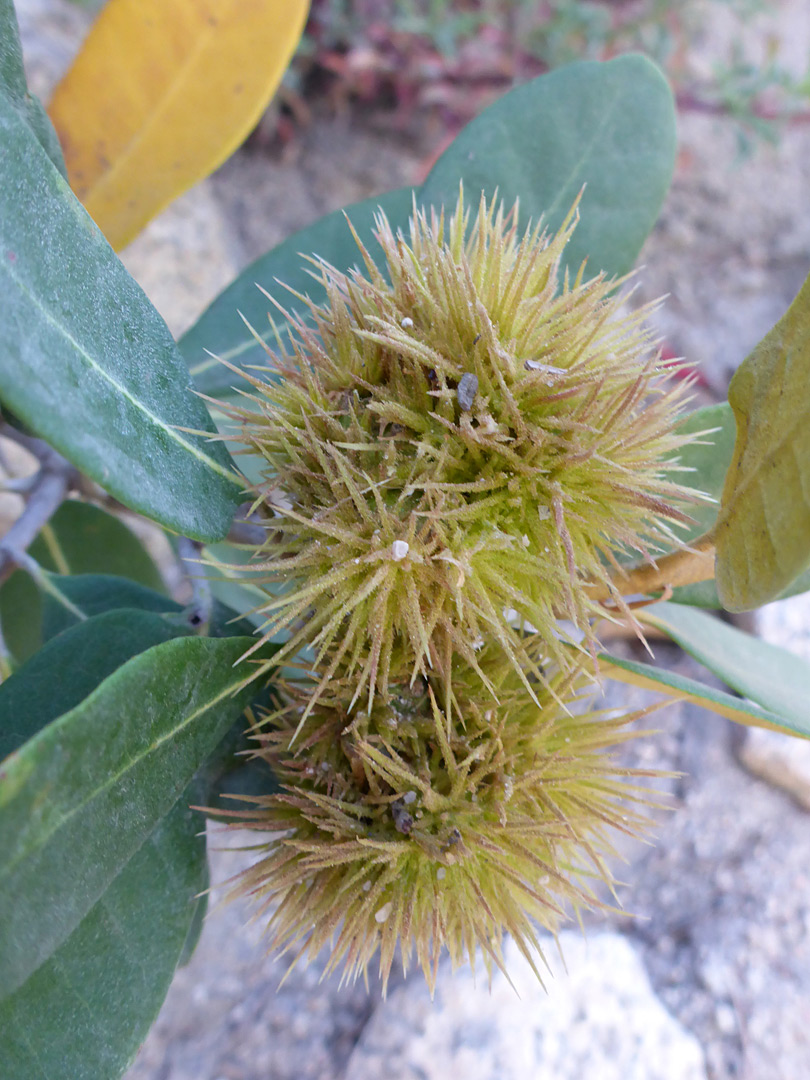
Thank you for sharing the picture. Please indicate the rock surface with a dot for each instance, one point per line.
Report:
(721, 906)
(787, 622)
(184, 257)
(226, 1017)
(600, 1018)
(783, 762)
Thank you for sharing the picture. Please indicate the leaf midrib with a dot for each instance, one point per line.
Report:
(43, 837)
(156, 421)
(752, 475)
(173, 87)
(586, 153)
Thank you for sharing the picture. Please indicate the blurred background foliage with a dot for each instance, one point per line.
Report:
(453, 57)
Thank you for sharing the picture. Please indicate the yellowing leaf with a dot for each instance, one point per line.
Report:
(763, 528)
(161, 93)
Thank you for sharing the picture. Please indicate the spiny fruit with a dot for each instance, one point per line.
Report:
(456, 446)
(436, 818)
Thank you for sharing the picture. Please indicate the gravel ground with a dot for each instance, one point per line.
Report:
(710, 977)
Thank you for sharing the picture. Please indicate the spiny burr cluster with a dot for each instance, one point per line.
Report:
(456, 447)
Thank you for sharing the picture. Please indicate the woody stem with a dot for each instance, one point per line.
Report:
(685, 567)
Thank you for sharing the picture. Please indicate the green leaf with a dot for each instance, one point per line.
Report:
(763, 530)
(231, 770)
(80, 538)
(773, 678)
(220, 329)
(84, 539)
(66, 670)
(134, 619)
(195, 927)
(21, 616)
(708, 459)
(96, 594)
(12, 74)
(85, 1011)
(86, 361)
(12, 81)
(668, 682)
(251, 777)
(608, 125)
(80, 798)
(93, 594)
(704, 593)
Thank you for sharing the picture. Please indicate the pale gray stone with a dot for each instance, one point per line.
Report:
(184, 257)
(780, 759)
(787, 623)
(51, 32)
(599, 1018)
(729, 252)
(721, 907)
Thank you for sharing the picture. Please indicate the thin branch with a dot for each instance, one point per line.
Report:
(38, 448)
(247, 529)
(685, 567)
(48, 489)
(202, 599)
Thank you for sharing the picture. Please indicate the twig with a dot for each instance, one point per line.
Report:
(685, 567)
(201, 607)
(242, 531)
(38, 448)
(247, 529)
(48, 489)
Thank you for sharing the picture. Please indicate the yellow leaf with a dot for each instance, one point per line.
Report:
(762, 534)
(161, 93)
